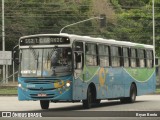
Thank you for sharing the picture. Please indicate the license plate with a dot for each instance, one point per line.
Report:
(42, 95)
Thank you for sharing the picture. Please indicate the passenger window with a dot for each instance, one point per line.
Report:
(91, 54)
(141, 57)
(133, 58)
(115, 56)
(149, 57)
(126, 57)
(103, 51)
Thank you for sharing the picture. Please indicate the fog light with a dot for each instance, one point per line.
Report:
(68, 84)
(19, 85)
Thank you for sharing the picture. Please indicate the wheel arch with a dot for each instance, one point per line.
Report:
(93, 89)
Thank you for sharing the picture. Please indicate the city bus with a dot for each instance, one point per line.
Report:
(73, 68)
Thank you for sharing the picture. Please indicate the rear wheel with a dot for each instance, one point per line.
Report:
(44, 104)
(123, 100)
(88, 102)
(132, 97)
(133, 94)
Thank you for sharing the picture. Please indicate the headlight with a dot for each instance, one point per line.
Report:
(19, 85)
(68, 84)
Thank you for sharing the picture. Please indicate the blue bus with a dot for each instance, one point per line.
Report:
(74, 68)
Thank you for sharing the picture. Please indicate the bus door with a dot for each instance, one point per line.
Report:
(78, 81)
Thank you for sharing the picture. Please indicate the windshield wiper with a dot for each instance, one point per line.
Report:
(34, 52)
(35, 55)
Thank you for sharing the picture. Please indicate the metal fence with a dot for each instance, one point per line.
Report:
(11, 74)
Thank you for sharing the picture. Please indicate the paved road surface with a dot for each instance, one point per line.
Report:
(143, 103)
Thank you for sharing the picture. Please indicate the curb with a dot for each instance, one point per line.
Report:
(8, 86)
(1, 95)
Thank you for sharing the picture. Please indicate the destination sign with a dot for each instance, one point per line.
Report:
(45, 40)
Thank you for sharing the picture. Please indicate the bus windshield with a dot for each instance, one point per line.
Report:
(46, 62)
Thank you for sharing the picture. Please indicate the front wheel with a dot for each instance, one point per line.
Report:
(88, 102)
(44, 104)
(98, 101)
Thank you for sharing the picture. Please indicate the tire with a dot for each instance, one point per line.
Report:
(123, 100)
(44, 104)
(98, 101)
(132, 96)
(88, 102)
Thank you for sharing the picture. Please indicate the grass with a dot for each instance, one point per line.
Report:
(8, 90)
(158, 90)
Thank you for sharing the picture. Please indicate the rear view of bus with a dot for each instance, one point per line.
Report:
(45, 69)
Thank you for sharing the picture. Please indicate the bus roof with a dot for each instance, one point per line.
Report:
(91, 39)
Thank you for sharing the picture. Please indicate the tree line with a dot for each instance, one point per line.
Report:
(127, 20)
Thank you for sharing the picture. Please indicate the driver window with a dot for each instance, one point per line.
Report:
(78, 46)
(78, 55)
(78, 58)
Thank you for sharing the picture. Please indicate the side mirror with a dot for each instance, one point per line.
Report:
(69, 55)
(15, 53)
(157, 61)
(86, 48)
(16, 60)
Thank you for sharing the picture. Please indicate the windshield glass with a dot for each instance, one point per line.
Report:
(48, 62)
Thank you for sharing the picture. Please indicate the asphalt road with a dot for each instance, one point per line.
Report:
(143, 103)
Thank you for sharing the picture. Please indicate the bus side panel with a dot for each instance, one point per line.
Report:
(152, 84)
(108, 83)
(143, 78)
(117, 82)
(114, 82)
(79, 89)
(105, 91)
(147, 87)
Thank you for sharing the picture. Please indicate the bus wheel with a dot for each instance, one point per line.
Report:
(123, 100)
(98, 101)
(44, 104)
(88, 102)
(133, 93)
(132, 97)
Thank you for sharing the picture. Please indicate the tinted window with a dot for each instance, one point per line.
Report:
(133, 57)
(103, 51)
(141, 57)
(115, 56)
(91, 54)
(126, 57)
(149, 57)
